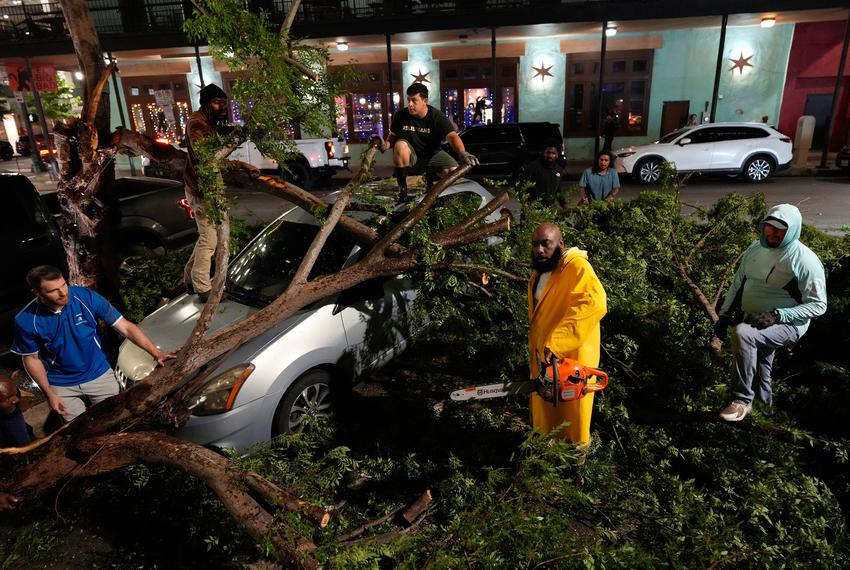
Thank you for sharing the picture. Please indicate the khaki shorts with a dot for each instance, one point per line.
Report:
(428, 165)
(103, 387)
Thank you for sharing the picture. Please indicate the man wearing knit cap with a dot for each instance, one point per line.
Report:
(210, 119)
(779, 286)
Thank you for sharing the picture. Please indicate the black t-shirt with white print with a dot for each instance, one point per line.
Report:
(424, 135)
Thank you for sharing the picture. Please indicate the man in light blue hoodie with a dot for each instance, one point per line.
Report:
(780, 286)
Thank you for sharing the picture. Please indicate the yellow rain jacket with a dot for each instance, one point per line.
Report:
(565, 319)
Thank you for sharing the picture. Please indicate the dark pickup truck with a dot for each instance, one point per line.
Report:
(154, 216)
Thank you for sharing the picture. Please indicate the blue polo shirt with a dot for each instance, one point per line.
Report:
(67, 340)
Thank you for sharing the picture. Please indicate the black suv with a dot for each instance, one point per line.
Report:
(502, 149)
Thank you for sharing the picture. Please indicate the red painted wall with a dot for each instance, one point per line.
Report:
(812, 66)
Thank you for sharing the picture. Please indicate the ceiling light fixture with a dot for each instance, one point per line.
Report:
(342, 46)
(768, 22)
(78, 75)
(611, 30)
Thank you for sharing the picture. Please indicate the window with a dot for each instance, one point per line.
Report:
(369, 108)
(625, 92)
(467, 91)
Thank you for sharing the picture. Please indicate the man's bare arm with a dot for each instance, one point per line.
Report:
(140, 339)
(35, 368)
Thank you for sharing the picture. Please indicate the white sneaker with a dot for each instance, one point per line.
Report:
(736, 411)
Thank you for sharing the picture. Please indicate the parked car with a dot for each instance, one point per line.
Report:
(28, 236)
(752, 150)
(271, 384)
(320, 159)
(842, 160)
(6, 150)
(155, 215)
(23, 146)
(502, 149)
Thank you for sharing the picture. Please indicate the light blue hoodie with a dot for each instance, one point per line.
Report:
(788, 278)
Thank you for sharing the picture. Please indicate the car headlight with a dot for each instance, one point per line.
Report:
(625, 154)
(217, 395)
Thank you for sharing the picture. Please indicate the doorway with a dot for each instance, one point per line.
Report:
(674, 115)
(819, 105)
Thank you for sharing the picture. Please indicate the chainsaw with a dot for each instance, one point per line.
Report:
(560, 381)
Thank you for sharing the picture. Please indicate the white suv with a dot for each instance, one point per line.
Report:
(753, 150)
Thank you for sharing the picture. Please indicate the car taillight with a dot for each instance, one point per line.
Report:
(785, 139)
(329, 148)
(184, 203)
(43, 151)
(162, 140)
(345, 149)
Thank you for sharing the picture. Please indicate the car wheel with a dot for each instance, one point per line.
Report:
(311, 396)
(299, 174)
(758, 169)
(648, 170)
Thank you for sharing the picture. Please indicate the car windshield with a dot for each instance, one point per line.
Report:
(265, 268)
(670, 137)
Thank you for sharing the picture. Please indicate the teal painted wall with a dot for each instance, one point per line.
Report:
(542, 99)
(758, 91)
(683, 70)
(193, 78)
(419, 61)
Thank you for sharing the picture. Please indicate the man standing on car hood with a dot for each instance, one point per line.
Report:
(415, 136)
(209, 120)
(780, 286)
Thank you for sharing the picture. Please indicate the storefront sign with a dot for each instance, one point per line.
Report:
(43, 76)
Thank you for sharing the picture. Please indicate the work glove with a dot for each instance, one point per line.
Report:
(723, 323)
(468, 158)
(764, 320)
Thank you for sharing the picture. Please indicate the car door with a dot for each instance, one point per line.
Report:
(695, 154)
(734, 145)
(377, 319)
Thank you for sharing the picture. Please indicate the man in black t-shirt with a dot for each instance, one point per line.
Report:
(415, 136)
(546, 175)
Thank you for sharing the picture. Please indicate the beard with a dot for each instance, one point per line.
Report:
(548, 264)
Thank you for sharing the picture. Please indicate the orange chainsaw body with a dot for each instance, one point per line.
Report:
(572, 381)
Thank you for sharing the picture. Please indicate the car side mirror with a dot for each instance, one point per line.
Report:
(684, 141)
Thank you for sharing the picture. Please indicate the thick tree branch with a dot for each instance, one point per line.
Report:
(93, 101)
(321, 238)
(111, 452)
(461, 237)
(418, 211)
(290, 17)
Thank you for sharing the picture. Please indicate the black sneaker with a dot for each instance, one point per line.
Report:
(403, 197)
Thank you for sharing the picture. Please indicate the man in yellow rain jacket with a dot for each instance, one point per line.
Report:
(566, 301)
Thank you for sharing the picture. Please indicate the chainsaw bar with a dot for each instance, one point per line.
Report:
(494, 391)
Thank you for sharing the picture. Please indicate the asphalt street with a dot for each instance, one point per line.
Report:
(824, 201)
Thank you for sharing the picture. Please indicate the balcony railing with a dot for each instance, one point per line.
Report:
(39, 22)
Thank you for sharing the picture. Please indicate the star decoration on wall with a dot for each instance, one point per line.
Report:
(740, 63)
(542, 72)
(421, 77)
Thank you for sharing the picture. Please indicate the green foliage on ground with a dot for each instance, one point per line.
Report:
(663, 484)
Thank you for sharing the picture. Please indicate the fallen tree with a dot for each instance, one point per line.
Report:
(130, 427)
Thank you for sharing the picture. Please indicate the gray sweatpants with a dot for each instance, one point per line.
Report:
(97, 390)
(754, 351)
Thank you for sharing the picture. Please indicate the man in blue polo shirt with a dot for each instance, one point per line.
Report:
(56, 335)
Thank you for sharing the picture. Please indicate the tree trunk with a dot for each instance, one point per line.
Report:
(89, 208)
